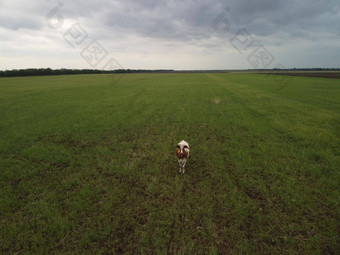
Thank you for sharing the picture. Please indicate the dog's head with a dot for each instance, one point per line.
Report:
(182, 150)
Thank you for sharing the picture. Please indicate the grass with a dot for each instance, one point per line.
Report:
(88, 164)
(320, 74)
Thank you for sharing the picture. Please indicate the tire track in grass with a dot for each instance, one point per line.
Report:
(258, 196)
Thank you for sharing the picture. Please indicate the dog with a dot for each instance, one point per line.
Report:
(182, 152)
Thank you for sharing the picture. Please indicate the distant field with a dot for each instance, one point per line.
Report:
(88, 164)
(320, 74)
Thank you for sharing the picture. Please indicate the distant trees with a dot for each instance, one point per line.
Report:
(46, 71)
(63, 71)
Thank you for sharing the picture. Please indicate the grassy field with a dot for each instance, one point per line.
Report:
(88, 164)
(320, 74)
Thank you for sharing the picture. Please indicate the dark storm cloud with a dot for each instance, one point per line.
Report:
(265, 17)
(181, 20)
(193, 19)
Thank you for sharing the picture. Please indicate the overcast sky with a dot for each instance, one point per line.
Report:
(159, 34)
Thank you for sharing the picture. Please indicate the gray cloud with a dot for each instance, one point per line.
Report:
(130, 25)
(269, 17)
(181, 19)
(164, 19)
(20, 14)
(193, 19)
(15, 23)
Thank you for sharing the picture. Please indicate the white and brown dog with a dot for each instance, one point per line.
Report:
(182, 153)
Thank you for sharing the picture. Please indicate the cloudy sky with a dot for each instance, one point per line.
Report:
(160, 34)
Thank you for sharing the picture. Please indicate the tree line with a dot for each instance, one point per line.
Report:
(64, 71)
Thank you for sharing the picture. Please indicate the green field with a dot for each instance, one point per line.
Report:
(88, 164)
